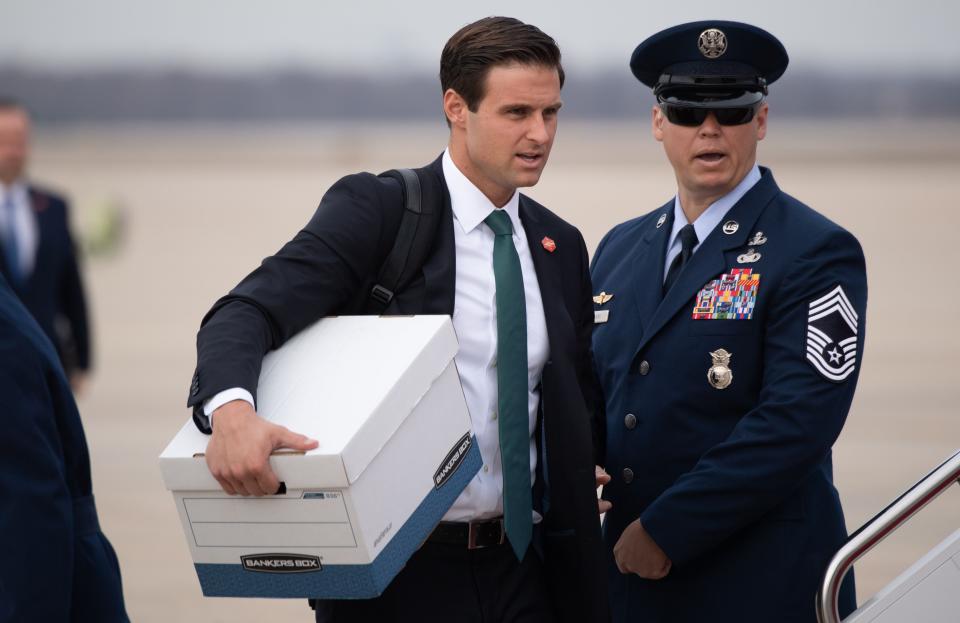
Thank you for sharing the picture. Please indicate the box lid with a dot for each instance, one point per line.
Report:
(348, 382)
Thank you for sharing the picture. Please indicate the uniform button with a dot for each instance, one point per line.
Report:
(630, 421)
(627, 475)
(493, 416)
(644, 368)
(486, 468)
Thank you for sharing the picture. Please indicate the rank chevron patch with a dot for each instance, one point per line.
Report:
(832, 326)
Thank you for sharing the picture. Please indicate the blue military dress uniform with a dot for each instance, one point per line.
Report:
(734, 483)
(726, 389)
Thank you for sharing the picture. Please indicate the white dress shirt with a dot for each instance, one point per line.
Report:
(710, 218)
(23, 222)
(475, 323)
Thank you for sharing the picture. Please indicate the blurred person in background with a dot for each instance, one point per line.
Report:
(39, 258)
(56, 566)
(729, 335)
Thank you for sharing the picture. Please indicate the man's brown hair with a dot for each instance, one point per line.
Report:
(486, 43)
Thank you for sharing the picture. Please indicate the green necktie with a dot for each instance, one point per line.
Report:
(512, 392)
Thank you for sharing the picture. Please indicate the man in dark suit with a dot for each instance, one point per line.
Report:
(55, 563)
(37, 254)
(730, 326)
(522, 542)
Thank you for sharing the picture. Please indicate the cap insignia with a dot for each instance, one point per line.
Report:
(712, 43)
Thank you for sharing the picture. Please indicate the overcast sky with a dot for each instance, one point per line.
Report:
(355, 34)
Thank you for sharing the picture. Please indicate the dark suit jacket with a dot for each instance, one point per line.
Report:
(55, 563)
(54, 290)
(735, 484)
(330, 267)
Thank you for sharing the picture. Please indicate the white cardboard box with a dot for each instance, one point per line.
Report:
(383, 398)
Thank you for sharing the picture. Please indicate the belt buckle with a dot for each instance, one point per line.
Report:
(472, 534)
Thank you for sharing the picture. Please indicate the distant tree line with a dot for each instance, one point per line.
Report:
(125, 95)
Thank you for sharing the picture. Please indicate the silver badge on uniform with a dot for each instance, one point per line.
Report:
(749, 257)
(661, 220)
(832, 325)
(731, 227)
(712, 43)
(757, 239)
(720, 375)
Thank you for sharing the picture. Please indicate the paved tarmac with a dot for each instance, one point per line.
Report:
(204, 204)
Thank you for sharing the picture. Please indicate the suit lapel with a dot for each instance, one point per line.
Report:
(709, 261)
(651, 251)
(440, 270)
(37, 201)
(547, 268)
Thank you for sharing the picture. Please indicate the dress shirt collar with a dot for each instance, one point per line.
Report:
(17, 190)
(470, 205)
(706, 222)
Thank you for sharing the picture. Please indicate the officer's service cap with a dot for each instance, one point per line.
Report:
(710, 63)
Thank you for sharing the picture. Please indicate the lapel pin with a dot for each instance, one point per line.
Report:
(749, 257)
(720, 375)
(602, 298)
(661, 220)
(549, 244)
(731, 227)
(757, 240)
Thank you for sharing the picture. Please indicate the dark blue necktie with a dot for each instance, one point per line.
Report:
(688, 240)
(512, 388)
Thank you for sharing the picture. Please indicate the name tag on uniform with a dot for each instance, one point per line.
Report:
(600, 316)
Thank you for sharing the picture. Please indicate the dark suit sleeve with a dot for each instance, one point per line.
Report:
(36, 517)
(789, 432)
(312, 276)
(73, 302)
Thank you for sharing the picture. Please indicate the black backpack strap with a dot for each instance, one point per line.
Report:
(418, 226)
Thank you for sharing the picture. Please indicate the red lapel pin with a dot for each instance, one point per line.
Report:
(549, 244)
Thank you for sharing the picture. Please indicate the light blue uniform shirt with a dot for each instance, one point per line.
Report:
(710, 218)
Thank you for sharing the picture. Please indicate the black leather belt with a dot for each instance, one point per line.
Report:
(470, 534)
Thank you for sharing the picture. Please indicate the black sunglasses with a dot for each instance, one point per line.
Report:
(694, 117)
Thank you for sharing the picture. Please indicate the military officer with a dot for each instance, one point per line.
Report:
(729, 327)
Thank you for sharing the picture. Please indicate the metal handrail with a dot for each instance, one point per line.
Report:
(877, 529)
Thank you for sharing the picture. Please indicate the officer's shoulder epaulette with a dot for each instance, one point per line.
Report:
(798, 216)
